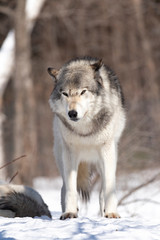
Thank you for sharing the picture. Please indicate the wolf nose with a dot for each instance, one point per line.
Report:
(73, 115)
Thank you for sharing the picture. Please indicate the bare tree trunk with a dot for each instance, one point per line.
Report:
(149, 70)
(25, 139)
(4, 78)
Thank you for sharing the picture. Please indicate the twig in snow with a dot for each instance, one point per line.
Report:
(138, 187)
(140, 200)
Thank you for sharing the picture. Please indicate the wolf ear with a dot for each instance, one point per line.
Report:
(97, 65)
(53, 72)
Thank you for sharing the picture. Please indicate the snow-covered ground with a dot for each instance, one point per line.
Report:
(140, 218)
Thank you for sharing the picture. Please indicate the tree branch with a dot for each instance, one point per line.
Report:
(13, 177)
(141, 200)
(14, 160)
(137, 188)
(8, 11)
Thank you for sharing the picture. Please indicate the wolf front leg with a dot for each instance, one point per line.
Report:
(108, 199)
(69, 189)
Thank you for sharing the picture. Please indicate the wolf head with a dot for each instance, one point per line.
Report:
(75, 86)
(82, 90)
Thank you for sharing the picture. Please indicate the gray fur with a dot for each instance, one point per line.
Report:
(21, 203)
(70, 78)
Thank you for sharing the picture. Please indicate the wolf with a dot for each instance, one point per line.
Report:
(21, 201)
(89, 118)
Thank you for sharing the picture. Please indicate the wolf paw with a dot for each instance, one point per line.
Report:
(112, 215)
(68, 215)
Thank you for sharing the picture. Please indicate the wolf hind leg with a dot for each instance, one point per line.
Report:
(83, 181)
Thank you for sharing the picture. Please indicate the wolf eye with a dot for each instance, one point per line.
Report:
(65, 94)
(83, 92)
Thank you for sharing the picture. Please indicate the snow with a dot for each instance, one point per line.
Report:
(139, 220)
(80, 228)
(33, 8)
(6, 60)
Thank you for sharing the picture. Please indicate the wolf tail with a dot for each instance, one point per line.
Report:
(84, 181)
(21, 201)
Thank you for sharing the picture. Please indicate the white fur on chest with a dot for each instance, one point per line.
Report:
(111, 132)
(75, 141)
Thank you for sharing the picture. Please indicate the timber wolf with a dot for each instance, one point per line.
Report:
(89, 118)
(21, 201)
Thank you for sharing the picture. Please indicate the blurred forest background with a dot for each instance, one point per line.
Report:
(124, 33)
